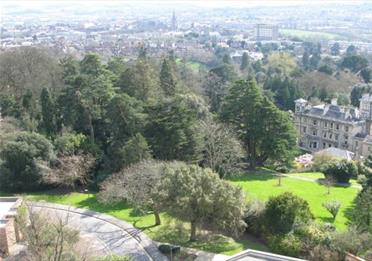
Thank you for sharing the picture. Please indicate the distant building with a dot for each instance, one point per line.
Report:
(365, 106)
(333, 126)
(267, 32)
(174, 25)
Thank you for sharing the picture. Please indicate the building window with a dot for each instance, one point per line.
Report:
(324, 145)
(336, 137)
(304, 129)
(315, 122)
(325, 124)
(315, 145)
(332, 125)
(329, 145)
(315, 132)
(337, 126)
(346, 128)
(325, 134)
(330, 135)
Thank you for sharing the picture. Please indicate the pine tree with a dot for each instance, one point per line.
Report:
(245, 61)
(267, 132)
(167, 79)
(48, 113)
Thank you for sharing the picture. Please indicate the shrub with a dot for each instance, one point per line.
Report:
(23, 160)
(320, 162)
(285, 210)
(69, 143)
(362, 212)
(314, 234)
(332, 207)
(353, 241)
(341, 170)
(288, 245)
(325, 253)
(254, 216)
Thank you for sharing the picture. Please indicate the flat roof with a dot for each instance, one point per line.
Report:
(6, 204)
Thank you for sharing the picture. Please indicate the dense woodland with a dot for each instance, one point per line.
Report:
(72, 123)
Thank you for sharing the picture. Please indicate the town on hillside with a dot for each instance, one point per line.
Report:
(219, 130)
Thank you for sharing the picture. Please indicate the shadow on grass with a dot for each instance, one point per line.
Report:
(327, 219)
(323, 182)
(143, 228)
(93, 204)
(256, 175)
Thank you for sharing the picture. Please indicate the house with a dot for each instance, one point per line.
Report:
(332, 126)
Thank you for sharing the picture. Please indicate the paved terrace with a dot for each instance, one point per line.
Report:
(108, 234)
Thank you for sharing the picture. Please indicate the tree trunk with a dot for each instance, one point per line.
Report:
(193, 231)
(157, 218)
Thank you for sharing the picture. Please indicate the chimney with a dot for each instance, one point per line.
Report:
(334, 101)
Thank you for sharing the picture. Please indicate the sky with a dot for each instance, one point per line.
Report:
(203, 3)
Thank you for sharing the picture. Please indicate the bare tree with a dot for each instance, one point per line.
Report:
(138, 184)
(70, 170)
(46, 240)
(223, 151)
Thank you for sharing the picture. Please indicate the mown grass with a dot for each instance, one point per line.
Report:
(259, 184)
(263, 185)
(318, 176)
(310, 34)
(171, 230)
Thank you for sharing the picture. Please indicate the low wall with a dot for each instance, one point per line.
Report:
(8, 230)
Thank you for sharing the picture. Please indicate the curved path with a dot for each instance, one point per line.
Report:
(110, 235)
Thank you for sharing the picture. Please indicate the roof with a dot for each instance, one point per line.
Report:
(253, 255)
(336, 153)
(300, 100)
(6, 206)
(333, 112)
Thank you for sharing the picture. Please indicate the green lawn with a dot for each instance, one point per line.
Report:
(171, 230)
(310, 34)
(263, 184)
(317, 176)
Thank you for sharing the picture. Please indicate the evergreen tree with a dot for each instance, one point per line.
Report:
(167, 79)
(48, 113)
(245, 61)
(366, 74)
(172, 132)
(226, 59)
(305, 60)
(351, 51)
(200, 197)
(335, 49)
(267, 132)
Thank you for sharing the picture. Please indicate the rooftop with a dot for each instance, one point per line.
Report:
(336, 153)
(6, 206)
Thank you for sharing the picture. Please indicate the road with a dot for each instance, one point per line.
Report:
(106, 234)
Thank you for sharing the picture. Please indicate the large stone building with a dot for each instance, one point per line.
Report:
(267, 32)
(330, 125)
